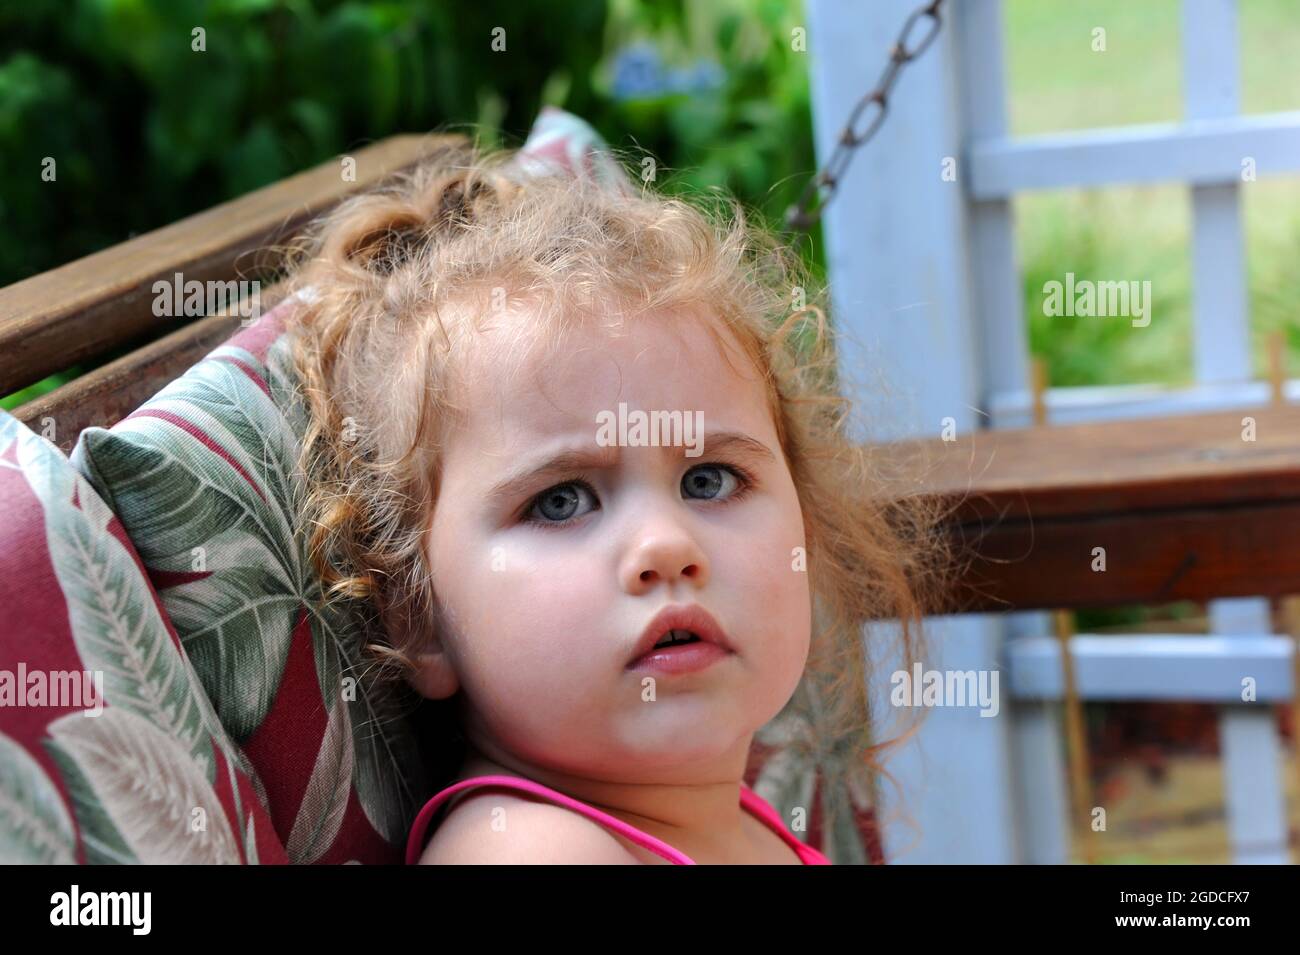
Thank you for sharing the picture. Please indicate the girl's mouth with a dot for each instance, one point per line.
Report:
(675, 637)
(679, 651)
(680, 639)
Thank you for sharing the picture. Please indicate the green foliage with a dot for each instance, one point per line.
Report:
(144, 128)
(1121, 234)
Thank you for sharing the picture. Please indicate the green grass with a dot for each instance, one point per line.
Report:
(34, 391)
(1057, 82)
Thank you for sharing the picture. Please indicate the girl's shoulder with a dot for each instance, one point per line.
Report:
(494, 826)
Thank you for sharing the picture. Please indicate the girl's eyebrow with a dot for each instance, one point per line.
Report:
(564, 463)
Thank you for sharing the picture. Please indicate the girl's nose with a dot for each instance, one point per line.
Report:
(668, 553)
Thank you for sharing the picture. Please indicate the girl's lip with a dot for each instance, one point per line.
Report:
(683, 658)
(692, 617)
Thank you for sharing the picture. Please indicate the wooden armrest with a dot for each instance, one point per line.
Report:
(1184, 508)
(54, 320)
(106, 395)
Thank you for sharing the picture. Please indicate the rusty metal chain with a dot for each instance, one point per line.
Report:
(819, 191)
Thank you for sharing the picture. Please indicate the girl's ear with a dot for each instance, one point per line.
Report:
(433, 677)
(431, 674)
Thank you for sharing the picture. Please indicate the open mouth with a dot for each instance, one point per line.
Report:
(680, 639)
(675, 637)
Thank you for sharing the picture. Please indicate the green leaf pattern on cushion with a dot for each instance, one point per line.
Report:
(174, 494)
(101, 840)
(35, 827)
(236, 624)
(320, 815)
(114, 621)
(117, 628)
(148, 793)
(386, 769)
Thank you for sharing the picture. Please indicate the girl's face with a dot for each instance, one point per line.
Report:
(544, 597)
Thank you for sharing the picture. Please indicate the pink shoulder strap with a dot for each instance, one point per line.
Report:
(415, 844)
(749, 800)
(758, 806)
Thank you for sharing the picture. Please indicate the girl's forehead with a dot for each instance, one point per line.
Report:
(529, 353)
(526, 382)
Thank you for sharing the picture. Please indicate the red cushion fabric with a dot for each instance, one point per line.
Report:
(109, 749)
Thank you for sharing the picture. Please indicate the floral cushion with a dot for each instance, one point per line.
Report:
(201, 477)
(109, 748)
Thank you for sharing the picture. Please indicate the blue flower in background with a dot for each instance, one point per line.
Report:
(639, 73)
(704, 75)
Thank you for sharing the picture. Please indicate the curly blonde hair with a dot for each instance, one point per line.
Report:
(465, 226)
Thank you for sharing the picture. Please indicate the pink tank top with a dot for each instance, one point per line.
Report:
(750, 800)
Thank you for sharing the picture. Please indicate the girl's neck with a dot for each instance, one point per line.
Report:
(704, 820)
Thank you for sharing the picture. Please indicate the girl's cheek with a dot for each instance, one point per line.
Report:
(782, 573)
(540, 584)
(775, 549)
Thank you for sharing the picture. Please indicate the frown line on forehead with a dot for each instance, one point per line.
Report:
(547, 466)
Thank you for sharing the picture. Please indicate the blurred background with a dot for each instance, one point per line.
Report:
(712, 89)
(715, 91)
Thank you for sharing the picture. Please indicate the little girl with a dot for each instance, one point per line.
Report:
(608, 614)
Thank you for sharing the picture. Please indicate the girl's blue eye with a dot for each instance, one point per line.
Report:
(562, 504)
(707, 479)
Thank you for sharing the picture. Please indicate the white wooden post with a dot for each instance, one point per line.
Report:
(977, 27)
(897, 246)
(1256, 816)
(1042, 797)
(1041, 779)
(1252, 776)
(1219, 309)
